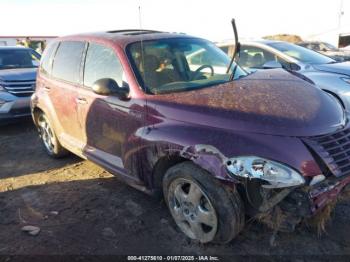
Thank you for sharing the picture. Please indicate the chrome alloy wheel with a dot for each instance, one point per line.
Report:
(192, 210)
(46, 133)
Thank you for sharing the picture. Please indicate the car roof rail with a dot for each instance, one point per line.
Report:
(133, 31)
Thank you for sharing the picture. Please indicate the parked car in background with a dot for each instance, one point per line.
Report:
(18, 67)
(325, 72)
(158, 110)
(327, 49)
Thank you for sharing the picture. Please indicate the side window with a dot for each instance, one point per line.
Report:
(47, 58)
(254, 57)
(66, 64)
(251, 56)
(102, 62)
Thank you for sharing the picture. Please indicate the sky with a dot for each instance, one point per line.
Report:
(207, 18)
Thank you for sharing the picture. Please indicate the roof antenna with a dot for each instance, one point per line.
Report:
(140, 21)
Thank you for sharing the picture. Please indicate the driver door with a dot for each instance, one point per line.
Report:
(107, 122)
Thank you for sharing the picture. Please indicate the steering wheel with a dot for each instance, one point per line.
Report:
(199, 69)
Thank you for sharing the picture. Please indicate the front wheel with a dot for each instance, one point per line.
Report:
(202, 207)
(49, 138)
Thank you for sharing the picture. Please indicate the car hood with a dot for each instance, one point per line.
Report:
(338, 68)
(268, 102)
(18, 74)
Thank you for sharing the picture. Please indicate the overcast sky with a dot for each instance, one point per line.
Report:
(208, 19)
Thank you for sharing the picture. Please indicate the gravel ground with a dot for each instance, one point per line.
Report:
(83, 210)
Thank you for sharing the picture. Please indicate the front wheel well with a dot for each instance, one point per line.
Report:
(160, 168)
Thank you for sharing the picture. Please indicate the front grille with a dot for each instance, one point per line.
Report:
(334, 150)
(19, 88)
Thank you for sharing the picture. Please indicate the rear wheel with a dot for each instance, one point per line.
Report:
(201, 206)
(49, 138)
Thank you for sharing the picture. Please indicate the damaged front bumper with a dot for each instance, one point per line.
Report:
(312, 204)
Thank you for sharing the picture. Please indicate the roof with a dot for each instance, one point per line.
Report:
(126, 36)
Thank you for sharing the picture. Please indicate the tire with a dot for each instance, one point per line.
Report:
(202, 207)
(49, 138)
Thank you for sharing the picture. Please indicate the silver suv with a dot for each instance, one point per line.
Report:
(18, 66)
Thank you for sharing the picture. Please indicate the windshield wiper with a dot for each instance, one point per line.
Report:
(236, 50)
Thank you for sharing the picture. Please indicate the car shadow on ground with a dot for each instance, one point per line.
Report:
(22, 153)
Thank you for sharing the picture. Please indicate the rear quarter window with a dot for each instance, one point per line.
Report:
(66, 64)
(47, 57)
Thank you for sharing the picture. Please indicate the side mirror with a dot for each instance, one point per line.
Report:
(108, 86)
(272, 64)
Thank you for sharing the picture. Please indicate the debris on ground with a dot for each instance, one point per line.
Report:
(54, 213)
(31, 230)
(108, 232)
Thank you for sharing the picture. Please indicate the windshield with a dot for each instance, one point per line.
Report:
(179, 64)
(18, 58)
(302, 54)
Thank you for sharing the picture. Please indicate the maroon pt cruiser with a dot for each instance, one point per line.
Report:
(160, 111)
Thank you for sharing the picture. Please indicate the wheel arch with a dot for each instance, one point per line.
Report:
(205, 157)
(160, 168)
(35, 113)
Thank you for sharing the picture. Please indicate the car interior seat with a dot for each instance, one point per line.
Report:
(243, 59)
(257, 60)
(153, 77)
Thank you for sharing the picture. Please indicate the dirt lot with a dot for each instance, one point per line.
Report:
(82, 209)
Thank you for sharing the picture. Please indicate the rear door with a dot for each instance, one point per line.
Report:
(62, 88)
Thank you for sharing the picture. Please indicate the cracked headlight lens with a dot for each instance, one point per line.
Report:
(276, 174)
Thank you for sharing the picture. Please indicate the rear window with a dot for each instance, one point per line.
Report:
(66, 65)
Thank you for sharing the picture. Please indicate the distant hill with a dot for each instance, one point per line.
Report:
(285, 37)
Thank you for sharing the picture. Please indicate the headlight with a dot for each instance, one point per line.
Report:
(346, 79)
(277, 175)
(2, 88)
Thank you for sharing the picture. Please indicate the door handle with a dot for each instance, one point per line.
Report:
(81, 100)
